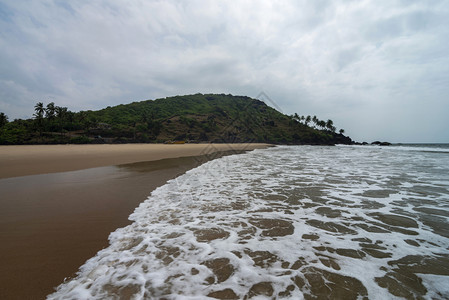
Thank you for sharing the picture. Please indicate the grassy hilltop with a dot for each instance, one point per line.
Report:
(215, 118)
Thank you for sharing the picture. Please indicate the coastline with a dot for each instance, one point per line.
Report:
(26, 160)
(51, 223)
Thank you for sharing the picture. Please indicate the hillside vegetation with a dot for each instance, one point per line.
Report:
(215, 118)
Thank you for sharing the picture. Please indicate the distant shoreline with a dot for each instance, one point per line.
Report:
(26, 160)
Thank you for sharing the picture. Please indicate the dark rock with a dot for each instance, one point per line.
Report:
(381, 143)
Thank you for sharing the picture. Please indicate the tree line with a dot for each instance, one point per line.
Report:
(316, 123)
(50, 124)
(194, 118)
(55, 116)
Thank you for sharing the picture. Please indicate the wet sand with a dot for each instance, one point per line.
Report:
(50, 224)
(38, 159)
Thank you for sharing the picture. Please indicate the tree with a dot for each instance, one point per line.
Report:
(61, 113)
(39, 110)
(70, 115)
(296, 117)
(308, 119)
(144, 117)
(50, 110)
(81, 116)
(39, 115)
(321, 124)
(3, 119)
(330, 125)
(342, 131)
(315, 120)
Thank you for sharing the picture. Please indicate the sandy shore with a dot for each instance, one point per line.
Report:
(30, 160)
(51, 223)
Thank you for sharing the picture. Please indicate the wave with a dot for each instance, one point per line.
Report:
(285, 222)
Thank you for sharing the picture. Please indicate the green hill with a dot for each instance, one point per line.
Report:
(192, 118)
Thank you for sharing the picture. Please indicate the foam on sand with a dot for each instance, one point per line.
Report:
(292, 222)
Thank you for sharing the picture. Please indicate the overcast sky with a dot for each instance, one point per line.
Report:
(378, 69)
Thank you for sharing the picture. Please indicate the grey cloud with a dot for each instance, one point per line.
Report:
(347, 57)
(351, 61)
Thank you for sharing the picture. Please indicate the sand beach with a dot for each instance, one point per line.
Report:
(30, 160)
(58, 203)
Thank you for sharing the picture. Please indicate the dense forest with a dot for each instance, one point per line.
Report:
(217, 118)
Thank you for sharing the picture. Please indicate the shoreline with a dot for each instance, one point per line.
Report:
(26, 160)
(51, 223)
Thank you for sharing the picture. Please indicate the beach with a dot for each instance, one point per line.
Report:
(59, 203)
(286, 222)
(39, 159)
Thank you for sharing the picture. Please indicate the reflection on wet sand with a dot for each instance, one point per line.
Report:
(50, 224)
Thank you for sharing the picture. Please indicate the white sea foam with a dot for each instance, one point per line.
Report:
(441, 148)
(281, 222)
(437, 285)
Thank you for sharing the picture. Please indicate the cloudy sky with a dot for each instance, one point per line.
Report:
(379, 69)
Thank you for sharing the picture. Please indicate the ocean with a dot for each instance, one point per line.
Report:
(287, 222)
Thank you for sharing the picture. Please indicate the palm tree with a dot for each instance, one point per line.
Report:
(60, 114)
(315, 120)
(50, 110)
(321, 124)
(296, 118)
(308, 119)
(342, 131)
(3, 119)
(39, 115)
(39, 110)
(330, 125)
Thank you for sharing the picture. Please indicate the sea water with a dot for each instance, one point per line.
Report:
(293, 222)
